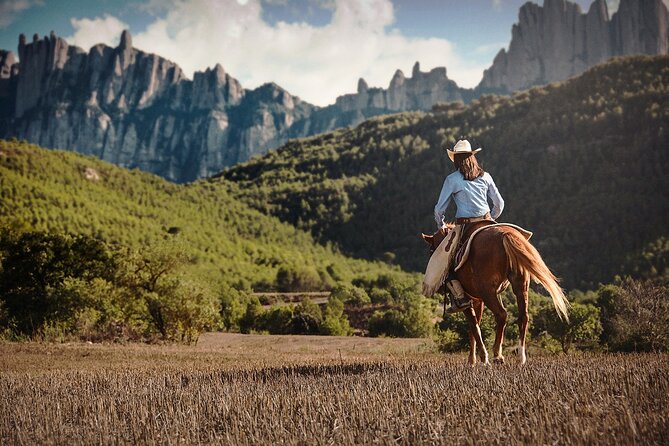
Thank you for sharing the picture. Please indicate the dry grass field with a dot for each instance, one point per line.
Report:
(236, 389)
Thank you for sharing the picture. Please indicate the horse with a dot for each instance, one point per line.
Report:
(499, 256)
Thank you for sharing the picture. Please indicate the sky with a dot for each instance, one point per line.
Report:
(315, 49)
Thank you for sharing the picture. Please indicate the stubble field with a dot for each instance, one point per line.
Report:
(236, 389)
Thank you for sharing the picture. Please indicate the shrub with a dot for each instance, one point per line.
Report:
(381, 296)
(335, 322)
(583, 326)
(233, 304)
(307, 318)
(253, 315)
(412, 321)
(350, 294)
(290, 279)
(387, 323)
(277, 320)
(448, 341)
(33, 281)
(635, 316)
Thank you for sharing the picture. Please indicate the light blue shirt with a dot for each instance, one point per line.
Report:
(471, 197)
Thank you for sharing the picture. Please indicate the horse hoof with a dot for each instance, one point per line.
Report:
(499, 360)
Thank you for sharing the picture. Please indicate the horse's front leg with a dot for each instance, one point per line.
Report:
(475, 334)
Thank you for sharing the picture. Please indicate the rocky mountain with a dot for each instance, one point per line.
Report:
(421, 91)
(557, 40)
(137, 109)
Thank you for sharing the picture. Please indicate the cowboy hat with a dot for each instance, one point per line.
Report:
(461, 146)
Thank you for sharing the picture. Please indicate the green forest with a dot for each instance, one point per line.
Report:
(92, 251)
(90, 248)
(227, 242)
(580, 163)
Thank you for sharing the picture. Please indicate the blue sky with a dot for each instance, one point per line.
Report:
(316, 49)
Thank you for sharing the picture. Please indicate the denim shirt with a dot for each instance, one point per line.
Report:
(471, 197)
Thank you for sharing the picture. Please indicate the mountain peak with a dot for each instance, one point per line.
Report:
(126, 40)
(362, 86)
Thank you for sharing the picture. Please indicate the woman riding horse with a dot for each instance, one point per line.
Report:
(470, 187)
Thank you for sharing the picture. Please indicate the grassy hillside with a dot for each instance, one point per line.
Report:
(582, 163)
(229, 242)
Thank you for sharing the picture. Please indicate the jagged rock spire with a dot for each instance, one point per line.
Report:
(416, 69)
(362, 86)
(126, 40)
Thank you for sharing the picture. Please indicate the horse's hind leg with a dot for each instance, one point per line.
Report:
(478, 313)
(475, 332)
(520, 286)
(495, 305)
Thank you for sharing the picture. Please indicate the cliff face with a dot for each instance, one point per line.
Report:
(557, 41)
(138, 110)
(421, 91)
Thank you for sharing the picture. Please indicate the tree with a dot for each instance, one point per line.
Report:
(277, 320)
(233, 306)
(350, 294)
(413, 320)
(298, 279)
(35, 269)
(307, 318)
(583, 326)
(335, 322)
(635, 316)
(252, 315)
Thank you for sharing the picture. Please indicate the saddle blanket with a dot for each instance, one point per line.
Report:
(463, 252)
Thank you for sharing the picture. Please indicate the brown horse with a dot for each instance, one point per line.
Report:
(498, 256)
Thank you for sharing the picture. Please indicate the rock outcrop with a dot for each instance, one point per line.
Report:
(8, 72)
(137, 109)
(557, 41)
(421, 91)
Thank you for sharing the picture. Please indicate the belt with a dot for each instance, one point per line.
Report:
(462, 221)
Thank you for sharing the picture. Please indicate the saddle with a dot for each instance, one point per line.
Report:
(469, 232)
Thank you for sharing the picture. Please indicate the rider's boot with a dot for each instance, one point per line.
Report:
(459, 300)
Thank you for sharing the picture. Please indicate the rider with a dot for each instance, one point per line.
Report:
(470, 187)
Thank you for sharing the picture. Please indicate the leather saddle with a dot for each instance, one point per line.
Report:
(467, 232)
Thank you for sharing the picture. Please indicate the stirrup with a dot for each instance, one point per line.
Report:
(458, 305)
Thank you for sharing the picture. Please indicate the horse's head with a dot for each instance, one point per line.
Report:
(436, 238)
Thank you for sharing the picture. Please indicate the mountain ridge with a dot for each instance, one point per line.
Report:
(230, 243)
(581, 163)
(557, 40)
(137, 109)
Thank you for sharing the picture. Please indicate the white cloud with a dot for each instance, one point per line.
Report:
(89, 32)
(490, 49)
(11, 9)
(315, 63)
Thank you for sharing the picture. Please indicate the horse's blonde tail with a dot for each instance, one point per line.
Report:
(526, 260)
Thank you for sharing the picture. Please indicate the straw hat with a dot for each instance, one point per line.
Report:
(461, 146)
